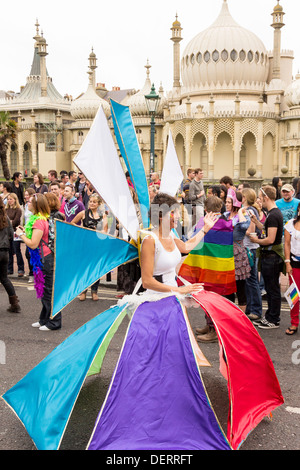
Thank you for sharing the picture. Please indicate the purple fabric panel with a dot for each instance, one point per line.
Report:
(157, 400)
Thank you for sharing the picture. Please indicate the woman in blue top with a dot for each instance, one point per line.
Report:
(241, 222)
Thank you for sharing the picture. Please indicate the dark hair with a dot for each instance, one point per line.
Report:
(71, 173)
(216, 190)
(16, 175)
(161, 205)
(297, 217)
(53, 173)
(3, 215)
(54, 183)
(223, 188)
(226, 180)
(40, 177)
(7, 186)
(275, 181)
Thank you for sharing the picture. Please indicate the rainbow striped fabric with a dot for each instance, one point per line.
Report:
(292, 294)
(212, 261)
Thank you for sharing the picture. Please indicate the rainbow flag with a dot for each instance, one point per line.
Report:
(292, 294)
(212, 261)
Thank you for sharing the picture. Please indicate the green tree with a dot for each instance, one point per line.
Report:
(8, 131)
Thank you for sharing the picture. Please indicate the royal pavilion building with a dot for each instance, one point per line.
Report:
(234, 108)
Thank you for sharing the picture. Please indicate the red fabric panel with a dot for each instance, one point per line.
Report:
(253, 387)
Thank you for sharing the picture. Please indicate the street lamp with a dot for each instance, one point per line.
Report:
(152, 101)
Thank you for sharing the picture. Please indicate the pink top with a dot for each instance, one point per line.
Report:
(44, 226)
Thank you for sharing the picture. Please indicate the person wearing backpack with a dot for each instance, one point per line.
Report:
(36, 237)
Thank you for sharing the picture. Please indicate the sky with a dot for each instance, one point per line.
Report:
(124, 36)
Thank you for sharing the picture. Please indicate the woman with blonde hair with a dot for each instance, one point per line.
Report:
(253, 294)
(14, 212)
(36, 237)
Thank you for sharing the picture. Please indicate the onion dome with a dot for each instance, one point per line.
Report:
(223, 54)
(86, 106)
(292, 93)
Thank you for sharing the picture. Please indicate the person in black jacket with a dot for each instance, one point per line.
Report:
(17, 187)
(6, 235)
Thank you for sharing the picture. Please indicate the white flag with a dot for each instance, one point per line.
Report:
(172, 176)
(99, 162)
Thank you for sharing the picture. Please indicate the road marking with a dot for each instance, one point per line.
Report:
(293, 410)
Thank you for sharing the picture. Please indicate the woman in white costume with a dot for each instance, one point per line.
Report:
(161, 250)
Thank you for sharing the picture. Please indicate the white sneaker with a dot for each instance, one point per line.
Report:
(31, 279)
(44, 328)
(36, 324)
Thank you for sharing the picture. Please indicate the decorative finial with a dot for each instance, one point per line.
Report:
(37, 25)
(148, 67)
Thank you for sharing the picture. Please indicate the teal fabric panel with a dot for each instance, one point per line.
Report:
(83, 256)
(126, 137)
(43, 400)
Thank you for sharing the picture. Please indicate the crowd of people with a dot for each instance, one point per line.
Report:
(27, 218)
(266, 235)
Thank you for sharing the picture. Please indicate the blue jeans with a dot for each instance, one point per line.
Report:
(254, 302)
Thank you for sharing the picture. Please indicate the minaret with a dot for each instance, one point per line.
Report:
(277, 25)
(42, 52)
(176, 38)
(93, 66)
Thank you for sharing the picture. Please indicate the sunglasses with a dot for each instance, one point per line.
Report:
(261, 189)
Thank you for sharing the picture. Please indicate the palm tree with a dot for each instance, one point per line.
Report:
(8, 130)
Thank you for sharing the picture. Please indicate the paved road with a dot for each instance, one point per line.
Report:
(26, 347)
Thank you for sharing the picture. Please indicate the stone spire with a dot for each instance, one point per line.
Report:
(93, 66)
(42, 52)
(277, 24)
(176, 38)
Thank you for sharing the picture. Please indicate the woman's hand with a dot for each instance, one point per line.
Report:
(19, 230)
(209, 221)
(289, 269)
(190, 289)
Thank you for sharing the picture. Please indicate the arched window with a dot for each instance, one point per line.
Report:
(224, 55)
(250, 56)
(13, 158)
(215, 56)
(233, 55)
(242, 55)
(80, 137)
(287, 159)
(207, 56)
(26, 158)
